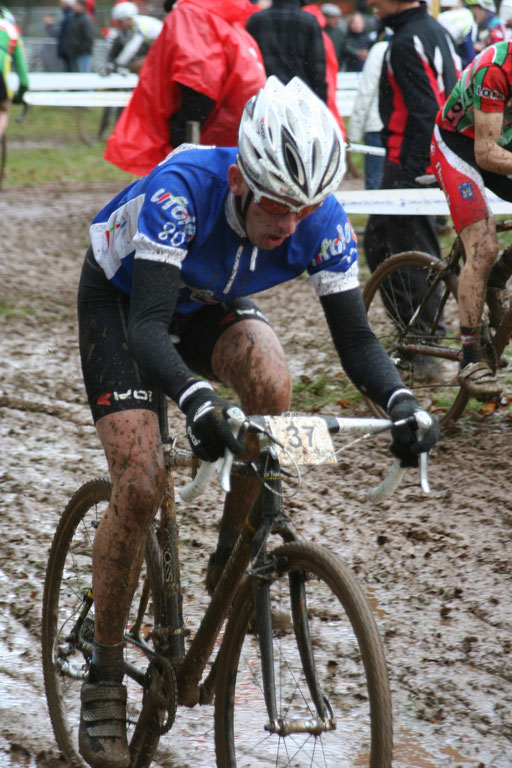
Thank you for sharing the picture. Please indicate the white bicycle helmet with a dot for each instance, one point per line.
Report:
(488, 5)
(290, 145)
(124, 11)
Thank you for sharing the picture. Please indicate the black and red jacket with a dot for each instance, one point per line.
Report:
(420, 69)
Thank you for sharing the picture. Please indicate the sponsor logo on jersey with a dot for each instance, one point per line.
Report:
(333, 247)
(486, 93)
(181, 226)
(466, 190)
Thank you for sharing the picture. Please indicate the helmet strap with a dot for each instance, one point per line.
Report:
(242, 209)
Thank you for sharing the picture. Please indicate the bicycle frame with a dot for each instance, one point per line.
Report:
(161, 670)
(266, 515)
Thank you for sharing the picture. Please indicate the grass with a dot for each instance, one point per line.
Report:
(9, 310)
(46, 148)
(313, 394)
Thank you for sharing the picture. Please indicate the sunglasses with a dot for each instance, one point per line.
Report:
(275, 208)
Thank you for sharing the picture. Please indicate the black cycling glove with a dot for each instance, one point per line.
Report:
(18, 96)
(405, 445)
(208, 431)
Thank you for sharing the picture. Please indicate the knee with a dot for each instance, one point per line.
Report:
(268, 390)
(139, 494)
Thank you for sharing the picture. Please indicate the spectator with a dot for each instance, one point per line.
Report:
(489, 28)
(333, 29)
(420, 69)
(461, 26)
(291, 44)
(331, 67)
(506, 18)
(80, 38)
(365, 122)
(11, 51)
(62, 33)
(356, 45)
(203, 67)
(135, 35)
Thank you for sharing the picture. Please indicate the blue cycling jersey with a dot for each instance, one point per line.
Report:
(183, 214)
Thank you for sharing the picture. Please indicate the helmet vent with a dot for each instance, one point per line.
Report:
(332, 168)
(293, 161)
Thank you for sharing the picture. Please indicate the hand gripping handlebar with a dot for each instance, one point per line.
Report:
(236, 418)
(222, 466)
(396, 474)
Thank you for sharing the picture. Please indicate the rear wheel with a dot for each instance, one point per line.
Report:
(350, 669)
(67, 639)
(421, 336)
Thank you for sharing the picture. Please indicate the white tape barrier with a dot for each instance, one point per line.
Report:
(407, 202)
(365, 149)
(46, 82)
(78, 98)
(75, 81)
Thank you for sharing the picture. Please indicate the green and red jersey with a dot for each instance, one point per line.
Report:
(11, 49)
(485, 84)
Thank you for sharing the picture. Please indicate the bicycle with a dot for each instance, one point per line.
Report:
(423, 339)
(300, 676)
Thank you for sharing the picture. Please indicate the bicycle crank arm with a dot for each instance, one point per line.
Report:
(285, 727)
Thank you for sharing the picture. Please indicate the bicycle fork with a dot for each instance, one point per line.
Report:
(263, 569)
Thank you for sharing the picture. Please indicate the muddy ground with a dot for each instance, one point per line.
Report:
(437, 568)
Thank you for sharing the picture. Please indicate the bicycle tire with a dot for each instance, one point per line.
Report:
(387, 297)
(68, 576)
(350, 665)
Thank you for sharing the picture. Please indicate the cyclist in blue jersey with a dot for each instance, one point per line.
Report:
(164, 307)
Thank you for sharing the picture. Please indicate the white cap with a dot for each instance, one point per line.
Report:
(124, 11)
(329, 9)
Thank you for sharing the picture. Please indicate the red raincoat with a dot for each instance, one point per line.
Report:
(203, 45)
(331, 73)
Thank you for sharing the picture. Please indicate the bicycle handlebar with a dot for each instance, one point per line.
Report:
(222, 466)
(384, 490)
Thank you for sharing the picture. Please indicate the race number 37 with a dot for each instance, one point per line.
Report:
(303, 439)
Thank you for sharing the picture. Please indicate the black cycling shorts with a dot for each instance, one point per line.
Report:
(4, 96)
(113, 380)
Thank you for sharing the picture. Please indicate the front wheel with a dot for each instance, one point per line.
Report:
(411, 301)
(350, 669)
(68, 624)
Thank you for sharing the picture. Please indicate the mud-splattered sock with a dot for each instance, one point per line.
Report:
(471, 349)
(107, 663)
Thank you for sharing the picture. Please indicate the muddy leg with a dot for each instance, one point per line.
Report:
(249, 357)
(131, 441)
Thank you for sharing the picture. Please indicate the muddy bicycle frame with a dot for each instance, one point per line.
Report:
(265, 515)
(156, 632)
(452, 267)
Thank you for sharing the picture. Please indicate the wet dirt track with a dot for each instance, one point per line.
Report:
(437, 569)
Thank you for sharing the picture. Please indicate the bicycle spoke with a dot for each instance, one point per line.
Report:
(412, 308)
(300, 738)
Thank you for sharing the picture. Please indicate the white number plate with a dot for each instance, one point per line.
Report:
(306, 439)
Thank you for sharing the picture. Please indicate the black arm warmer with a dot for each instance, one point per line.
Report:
(194, 106)
(152, 305)
(362, 357)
